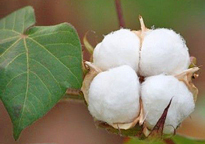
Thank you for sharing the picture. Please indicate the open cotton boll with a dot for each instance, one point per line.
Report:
(156, 93)
(117, 48)
(114, 95)
(163, 51)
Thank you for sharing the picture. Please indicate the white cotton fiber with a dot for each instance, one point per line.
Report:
(117, 48)
(114, 95)
(156, 93)
(163, 51)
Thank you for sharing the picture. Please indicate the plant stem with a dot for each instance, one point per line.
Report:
(119, 13)
(74, 94)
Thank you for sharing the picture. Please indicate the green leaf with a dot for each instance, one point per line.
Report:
(137, 141)
(177, 139)
(37, 65)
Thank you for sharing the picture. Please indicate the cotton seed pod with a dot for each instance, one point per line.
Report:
(117, 48)
(162, 51)
(113, 97)
(93, 71)
(187, 77)
(156, 93)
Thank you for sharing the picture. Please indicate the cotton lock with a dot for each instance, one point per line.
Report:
(163, 51)
(156, 93)
(114, 96)
(117, 48)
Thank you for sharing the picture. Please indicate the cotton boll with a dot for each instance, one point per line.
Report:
(156, 93)
(117, 48)
(114, 95)
(163, 51)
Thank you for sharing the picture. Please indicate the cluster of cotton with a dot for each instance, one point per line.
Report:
(112, 88)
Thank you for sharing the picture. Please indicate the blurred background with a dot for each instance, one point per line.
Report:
(70, 122)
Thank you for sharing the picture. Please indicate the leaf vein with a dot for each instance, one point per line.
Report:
(15, 96)
(44, 85)
(7, 39)
(4, 29)
(27, 84)
(37, 99)
(24, 20)
(14, 78)
(48, 71)
(14, 59)
(14, 20)
(47, 34)
(33, 108)
(10, 47)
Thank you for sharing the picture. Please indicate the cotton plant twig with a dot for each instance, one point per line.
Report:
(119, 13)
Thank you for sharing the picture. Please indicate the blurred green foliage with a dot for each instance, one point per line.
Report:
(101, 14)
(178, 139)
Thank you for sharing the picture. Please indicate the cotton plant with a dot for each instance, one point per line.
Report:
(137, 83)
(117, 96)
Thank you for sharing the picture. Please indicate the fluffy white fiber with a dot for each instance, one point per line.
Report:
(163, 51)
(117, 48)
(114, 95)
(156, 93)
